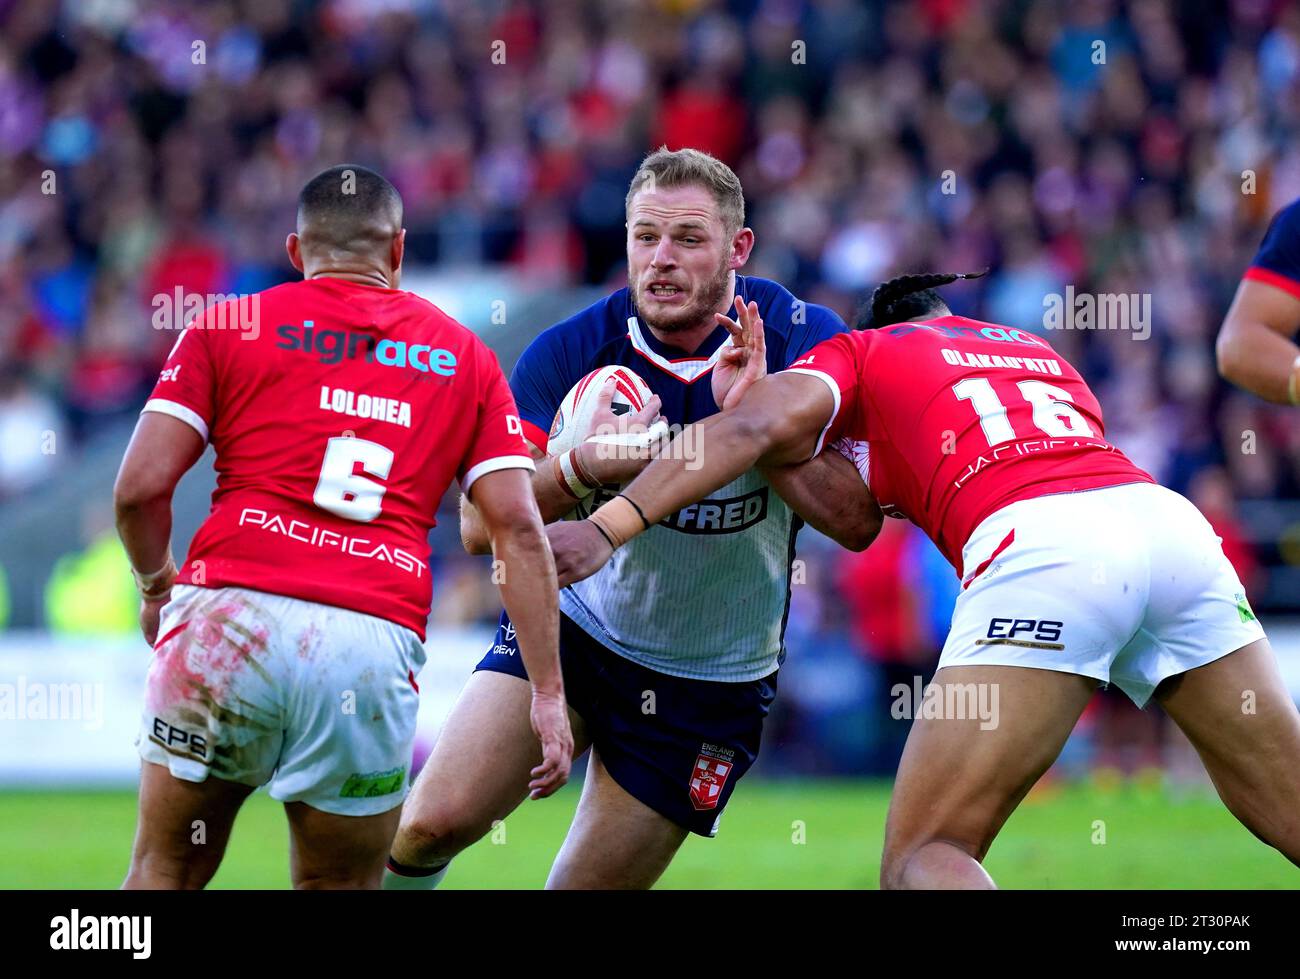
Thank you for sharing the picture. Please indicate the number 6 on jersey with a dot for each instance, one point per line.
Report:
(345, 492)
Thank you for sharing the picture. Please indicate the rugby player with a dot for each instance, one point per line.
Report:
(1256, 347)
(286, 648)
(1076, 569)
(670, 656)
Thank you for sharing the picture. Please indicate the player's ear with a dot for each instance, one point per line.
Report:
(398, 250)
(742, 243)
(293, 245)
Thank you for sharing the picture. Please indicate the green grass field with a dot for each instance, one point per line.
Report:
(1153, 838)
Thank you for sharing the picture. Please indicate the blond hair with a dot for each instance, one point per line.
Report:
(681, 168)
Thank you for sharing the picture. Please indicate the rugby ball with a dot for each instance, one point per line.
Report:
(573, 422)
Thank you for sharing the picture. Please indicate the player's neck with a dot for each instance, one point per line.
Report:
(365, 278)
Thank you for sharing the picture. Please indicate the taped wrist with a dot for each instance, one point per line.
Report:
(573, 476)
(157, 584)
(619, 520)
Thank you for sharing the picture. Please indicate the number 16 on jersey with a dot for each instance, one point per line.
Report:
(1054, 414)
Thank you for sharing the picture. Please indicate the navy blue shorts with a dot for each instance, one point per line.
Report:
(679, 746)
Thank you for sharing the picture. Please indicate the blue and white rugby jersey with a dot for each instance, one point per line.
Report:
(705, 594)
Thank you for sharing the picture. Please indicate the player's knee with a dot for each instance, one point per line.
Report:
(154, 870)
(954, 861)
(438, 833)
(893, 862)
(335, 880)
(910, 842)
(1269, 811)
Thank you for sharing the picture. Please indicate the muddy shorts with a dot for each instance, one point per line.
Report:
(316, 702)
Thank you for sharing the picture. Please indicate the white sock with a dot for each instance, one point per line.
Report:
(399, 877)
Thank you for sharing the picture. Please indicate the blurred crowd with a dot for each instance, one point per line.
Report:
(1128, 148)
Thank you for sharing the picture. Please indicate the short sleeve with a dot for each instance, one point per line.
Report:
(835, 362)
(1277, 263)
(498, 440)
(187, 386)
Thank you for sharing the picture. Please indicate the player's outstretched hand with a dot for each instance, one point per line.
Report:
(580, 549)
(550, 719)
(742, 363)
(150, 612)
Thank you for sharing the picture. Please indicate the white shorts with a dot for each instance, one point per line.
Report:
(1127, 584)
(316, 700)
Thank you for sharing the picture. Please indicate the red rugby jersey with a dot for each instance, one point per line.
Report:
(962, 418)
(339, 413)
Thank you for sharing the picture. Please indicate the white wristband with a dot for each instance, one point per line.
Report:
(1293, 384)
(576, 486)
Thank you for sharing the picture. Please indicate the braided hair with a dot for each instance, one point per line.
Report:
(907, 297)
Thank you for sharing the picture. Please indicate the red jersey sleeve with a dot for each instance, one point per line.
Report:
(187, 386)
(498, 441)
(835, 362)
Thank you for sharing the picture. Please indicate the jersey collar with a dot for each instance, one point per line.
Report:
(685, 369)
